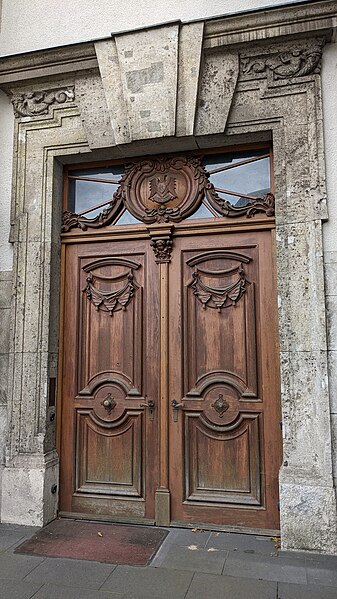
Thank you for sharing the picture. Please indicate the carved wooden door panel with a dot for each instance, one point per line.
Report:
(109, 381)
(169, 377)
(224, 426)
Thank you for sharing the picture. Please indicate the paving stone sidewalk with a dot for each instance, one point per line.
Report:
(189, 565)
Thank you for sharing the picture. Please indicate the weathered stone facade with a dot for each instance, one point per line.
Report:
(175, 88)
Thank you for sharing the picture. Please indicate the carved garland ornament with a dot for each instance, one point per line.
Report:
(38, 103)
(112, 301)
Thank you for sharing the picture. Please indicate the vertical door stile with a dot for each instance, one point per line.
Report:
(162, 246)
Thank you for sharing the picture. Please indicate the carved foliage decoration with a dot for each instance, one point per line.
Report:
(110, 300)
(164, 189)
(218, 296)
(285, 65)
(38, 103)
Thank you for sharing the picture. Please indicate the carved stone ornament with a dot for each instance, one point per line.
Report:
(220, 405)
(38, 103)
(266, 204)
(285, 65)
(110, 301)
(164, 189)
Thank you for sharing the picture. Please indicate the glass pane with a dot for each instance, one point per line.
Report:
(83, 194)
(109, 173)
(213, 161)
(251, 179)
(127, 219)
(202, 212)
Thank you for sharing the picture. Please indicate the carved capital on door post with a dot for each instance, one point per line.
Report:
(161, 242)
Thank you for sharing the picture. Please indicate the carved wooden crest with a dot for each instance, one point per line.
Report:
(164, 189)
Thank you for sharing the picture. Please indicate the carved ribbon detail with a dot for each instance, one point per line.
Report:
(111, 300)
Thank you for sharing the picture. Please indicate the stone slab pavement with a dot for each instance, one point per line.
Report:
(189, 565)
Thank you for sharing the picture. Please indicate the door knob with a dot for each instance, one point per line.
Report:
(175, 405)
(150, 405)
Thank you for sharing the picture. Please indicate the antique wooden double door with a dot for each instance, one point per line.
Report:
(168, 375)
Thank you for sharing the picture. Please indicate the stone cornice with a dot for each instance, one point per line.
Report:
(311, 18)
(314, 17)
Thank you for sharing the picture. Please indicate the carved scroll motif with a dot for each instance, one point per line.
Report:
(266, 204)
(38, 103)
(71, 220)
(285, 65)
(166, 190)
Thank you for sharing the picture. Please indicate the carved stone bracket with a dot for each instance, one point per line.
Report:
(38, 103)
(161, 242)
(285, 65)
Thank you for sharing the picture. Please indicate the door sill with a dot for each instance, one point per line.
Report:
(106, 518)
(225, 528)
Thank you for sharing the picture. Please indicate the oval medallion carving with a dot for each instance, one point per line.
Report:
(162, 190)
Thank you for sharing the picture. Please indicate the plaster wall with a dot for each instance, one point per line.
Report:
(45, 23)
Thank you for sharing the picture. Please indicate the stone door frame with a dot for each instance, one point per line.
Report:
(227, 92)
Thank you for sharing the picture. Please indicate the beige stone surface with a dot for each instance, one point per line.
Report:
(148, 63)
(219, 76)
(190, 54)
(89, 91)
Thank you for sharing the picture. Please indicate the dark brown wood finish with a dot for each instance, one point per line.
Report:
(169, 394)
(225, 436)
(110, 354)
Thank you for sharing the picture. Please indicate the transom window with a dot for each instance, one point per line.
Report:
(237, 179)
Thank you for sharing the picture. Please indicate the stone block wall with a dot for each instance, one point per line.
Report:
(5, 301)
